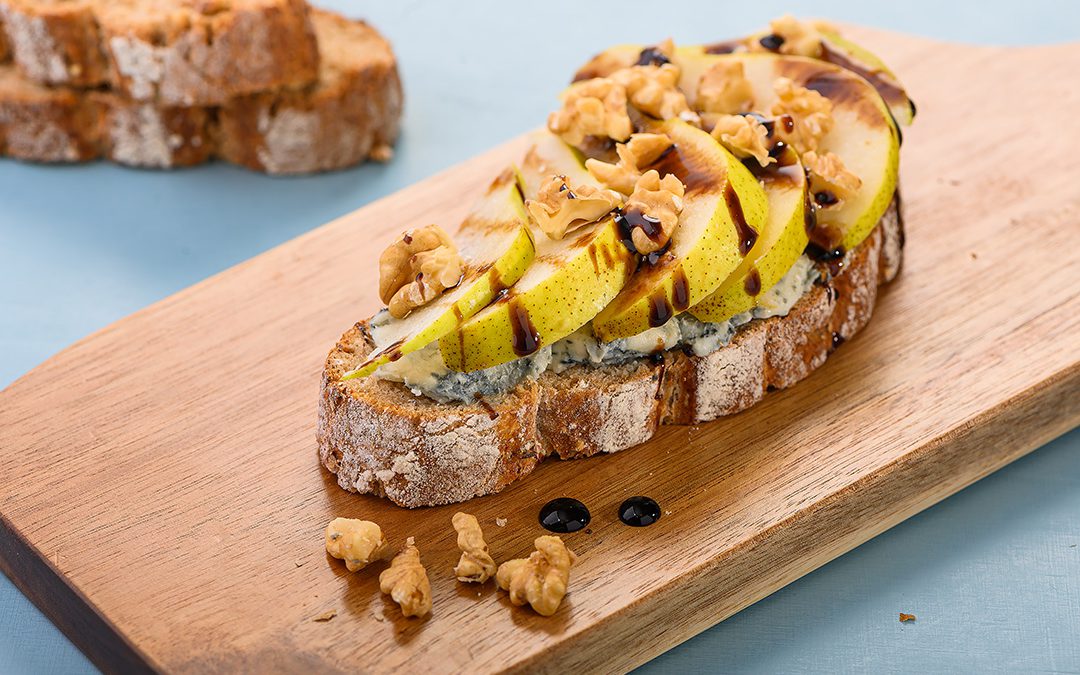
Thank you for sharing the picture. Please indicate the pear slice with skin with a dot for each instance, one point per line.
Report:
(570, 280)
(496, 245)
(782, 241)
(724, 209)
(864, 135)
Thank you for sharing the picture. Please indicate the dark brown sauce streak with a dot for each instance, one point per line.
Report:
(747, 234)
(660, 310)
(486, 406)
(526, 339)
(680, 291)
(889, 90)
(660, 361)
(693, 174)
(752, 282)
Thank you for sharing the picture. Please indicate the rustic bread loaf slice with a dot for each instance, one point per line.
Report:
(367, 427)
(174, 52)
(351, 113)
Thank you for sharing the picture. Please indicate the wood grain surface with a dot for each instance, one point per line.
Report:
(162, 500)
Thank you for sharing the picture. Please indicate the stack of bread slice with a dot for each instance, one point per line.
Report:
(273, 85)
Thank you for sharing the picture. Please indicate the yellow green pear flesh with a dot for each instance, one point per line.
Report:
(724, 208)
(569, 281)
(782, 241)
(863, 135)
(496, 245)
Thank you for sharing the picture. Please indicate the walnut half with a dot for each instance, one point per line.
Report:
(809, 110)
(357, 542)
(406, 581)
(476, 565)
(560, 208)
(541, 579)
(659, 202)
(417, 268)
(744, 135)
(641, 150)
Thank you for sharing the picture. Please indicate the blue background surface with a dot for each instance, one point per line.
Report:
(993, 573)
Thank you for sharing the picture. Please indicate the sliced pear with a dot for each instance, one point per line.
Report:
(570, 280)
(861, 61)
(497, 246)
(782, 241)
(723, 211)
(864, 136)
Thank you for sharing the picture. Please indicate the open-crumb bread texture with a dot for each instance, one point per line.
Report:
(350, 113)
(174, 52)
(378, 438)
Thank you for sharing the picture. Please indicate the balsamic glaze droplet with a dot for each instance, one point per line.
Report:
(772, 42)
(564, 515)
(651, 56)
(825, 198)
(639, 511)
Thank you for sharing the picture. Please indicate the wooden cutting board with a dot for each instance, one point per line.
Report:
(163, 503)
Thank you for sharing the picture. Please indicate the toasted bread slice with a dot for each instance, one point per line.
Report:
(379, 438)
(352, 112)
(173, 52)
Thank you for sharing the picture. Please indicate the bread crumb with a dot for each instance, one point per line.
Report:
(974, 256)
(382, 153)
(326, 616)
(501, 522)
(298, 563)
(906, 618)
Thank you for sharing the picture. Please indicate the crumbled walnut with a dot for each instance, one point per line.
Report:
(501, 522)
(905, 618)
(415, 269)
(810, 112)
(723, 88)
(476, 565)
(560, 207)
(659, 202)
(406, 581)
(641, 150)
(744, 136)
(595, 107)
(325, 616)
(539, 580)
(654, 90)
(827, 172)
(795, 37)
(357, 542)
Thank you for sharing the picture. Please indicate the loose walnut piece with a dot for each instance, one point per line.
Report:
(810, 111)
(595, 107)
(476, 565)
(641, 150)
(654, 90)
(406, 581)
(723, 88)
(560, 208)
(541, 579)
(357, 542)
(827, 172)
(415, 269)
(744, 136)
(660, 202)
(796, 37)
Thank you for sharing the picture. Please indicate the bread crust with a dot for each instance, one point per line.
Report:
(612, 408)
(173, 52)
(353, 111)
